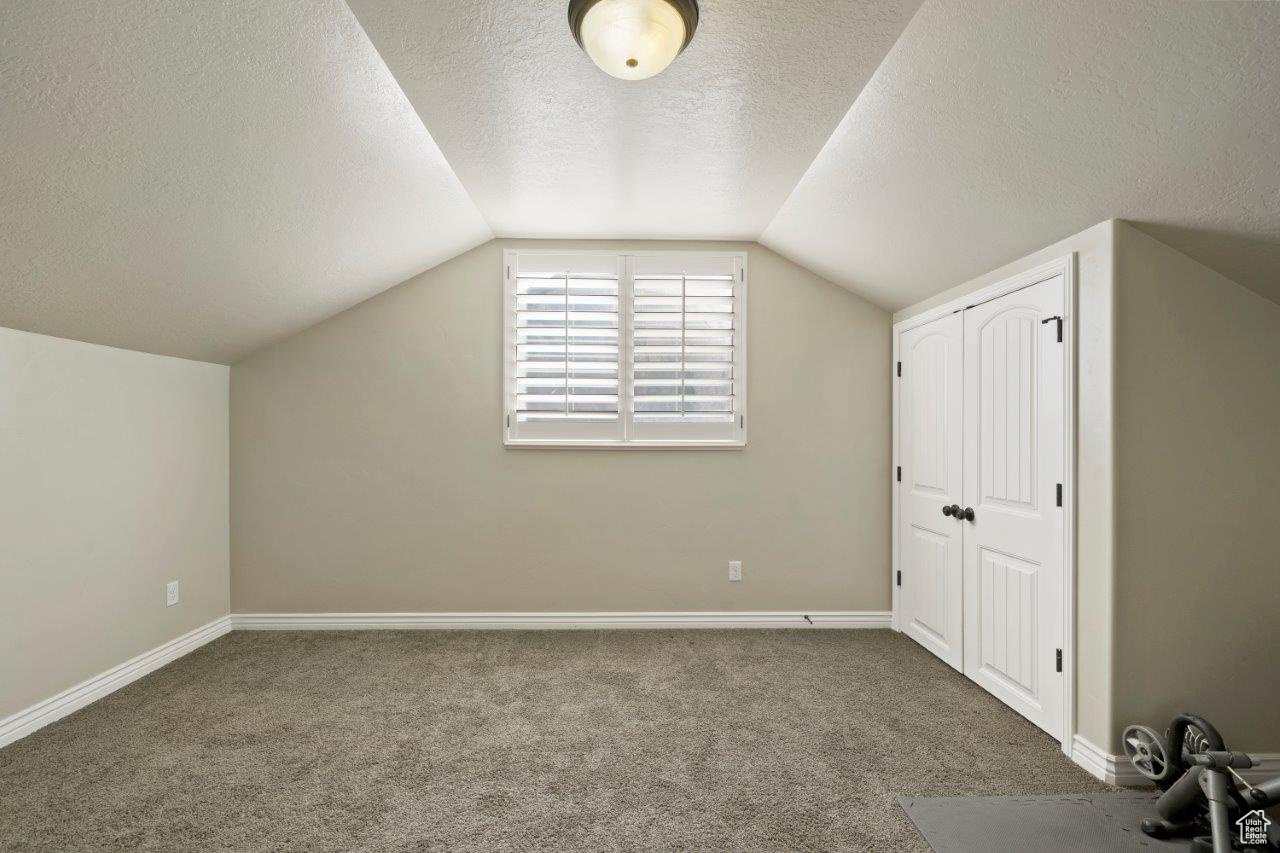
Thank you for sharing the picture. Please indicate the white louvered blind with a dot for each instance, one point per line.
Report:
(624, 349)
(685, 337)
(565, 345)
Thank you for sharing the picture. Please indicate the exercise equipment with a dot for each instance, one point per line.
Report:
(1200, 788)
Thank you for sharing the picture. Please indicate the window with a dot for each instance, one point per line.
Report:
(642, 349)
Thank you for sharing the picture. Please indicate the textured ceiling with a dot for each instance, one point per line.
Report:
(196, 178)
(550, 146)
(200, 178)
(994, 128)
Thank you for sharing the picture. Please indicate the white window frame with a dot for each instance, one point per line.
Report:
(626, 433)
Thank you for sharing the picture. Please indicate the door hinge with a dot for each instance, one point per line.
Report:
(1059, 494)
(899, 368)
(899, 577)
(899, 473)
(1050, 320)
(1059, 660)
(508, 420)
(742, 421)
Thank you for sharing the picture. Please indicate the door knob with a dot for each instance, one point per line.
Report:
(966, 513)
(954, 509)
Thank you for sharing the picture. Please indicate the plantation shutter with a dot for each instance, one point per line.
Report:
(686, 333)
(565, 348)
(613, 349)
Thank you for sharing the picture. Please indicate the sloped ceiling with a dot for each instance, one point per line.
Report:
(198, 179)
(995, 128)
(551, 147)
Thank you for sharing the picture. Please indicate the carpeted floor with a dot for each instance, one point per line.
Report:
(695, 740)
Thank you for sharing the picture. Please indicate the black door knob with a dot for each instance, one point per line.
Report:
(954, 509)
(966, 513)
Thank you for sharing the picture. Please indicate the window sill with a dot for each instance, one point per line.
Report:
(625, 445)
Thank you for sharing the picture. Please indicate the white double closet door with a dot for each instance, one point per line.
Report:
(981, 431)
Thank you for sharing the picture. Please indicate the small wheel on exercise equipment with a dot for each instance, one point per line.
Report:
(1149, 754)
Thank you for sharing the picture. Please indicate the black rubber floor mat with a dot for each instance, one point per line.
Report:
(1107, 823)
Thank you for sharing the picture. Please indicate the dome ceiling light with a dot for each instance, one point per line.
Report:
(633, 39)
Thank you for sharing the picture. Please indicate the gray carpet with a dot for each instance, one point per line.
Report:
(706, 740)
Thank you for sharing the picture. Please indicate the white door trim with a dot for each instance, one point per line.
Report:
(1066, 267)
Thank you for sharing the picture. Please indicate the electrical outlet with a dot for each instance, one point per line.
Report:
(171, 594)
(735, 570)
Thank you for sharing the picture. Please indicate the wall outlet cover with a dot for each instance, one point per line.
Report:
(171, 594)
(735, 570)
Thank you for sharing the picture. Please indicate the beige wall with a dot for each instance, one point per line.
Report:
(1197, 495)
(113, 481)
(368, 472)
(1095, 449)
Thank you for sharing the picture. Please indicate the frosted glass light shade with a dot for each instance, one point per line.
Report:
(633, 39)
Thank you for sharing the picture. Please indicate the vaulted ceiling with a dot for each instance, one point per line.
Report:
(199, 179)
(550, 146)
(995, 128)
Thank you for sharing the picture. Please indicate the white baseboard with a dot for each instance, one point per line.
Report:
(56, 707)
(1116, 769)
(550, 621)
(1112, 769)
(41, 714)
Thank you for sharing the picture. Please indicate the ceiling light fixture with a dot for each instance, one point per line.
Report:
(633, 39)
